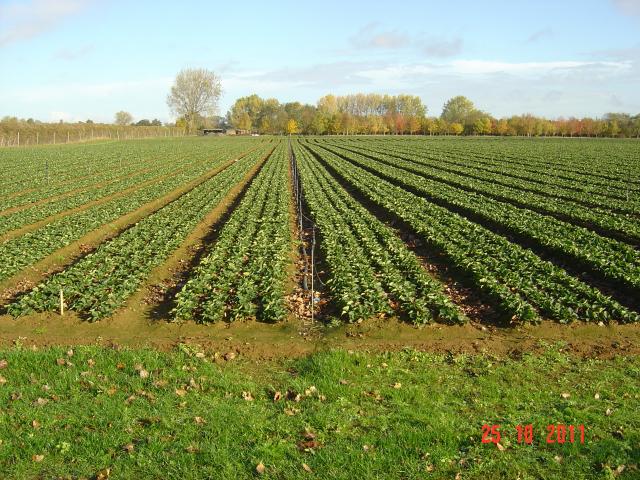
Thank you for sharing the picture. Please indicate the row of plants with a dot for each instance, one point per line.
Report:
(596, 164)
(613, 260)
(518, 282)
(245, 272)
(21, 252)
(603, 221)
(590, 159)
(583, 193)
(102, 281)
(371, 269)
(35, 174)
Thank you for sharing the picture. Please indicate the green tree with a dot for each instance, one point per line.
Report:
(457, 110)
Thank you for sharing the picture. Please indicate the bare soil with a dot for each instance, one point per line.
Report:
(294, 338)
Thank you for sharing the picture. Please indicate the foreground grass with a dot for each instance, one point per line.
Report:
(103, 413)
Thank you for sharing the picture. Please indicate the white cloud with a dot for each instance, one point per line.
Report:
(534, 69)
(369, 37)
(62, 92)
(442, 48)
(25, 20)
(628, 7)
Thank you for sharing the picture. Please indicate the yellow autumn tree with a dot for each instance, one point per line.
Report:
(292, 126)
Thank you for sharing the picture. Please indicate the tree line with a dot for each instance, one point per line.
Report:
(375, 114)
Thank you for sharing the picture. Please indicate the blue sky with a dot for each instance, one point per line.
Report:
(79, 59)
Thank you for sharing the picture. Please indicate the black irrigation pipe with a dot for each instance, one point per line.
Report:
(301, 218)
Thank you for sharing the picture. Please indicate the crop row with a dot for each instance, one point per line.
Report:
(75, 167)
(103, 280)
(600, 165)
(371, 269)
(608, 160)
(624, 226)
(18, 253)
(615, 201)
(518, 282)
(611, 259)
(245, 273)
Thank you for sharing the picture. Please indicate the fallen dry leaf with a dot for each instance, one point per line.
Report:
(608, 412)
(229, 356)
(277, 396)
(397, 385)
(120, 366)
(41, 401)
(500, 447)
(343, 382)
(597, 396)
(192, 449)
(61, 361)
(565, 395)
(199, 420)
(310, 444)
(2, 380)
(70, 352)
(3, 364)
(37, 458)
(35, 424)
(260, 468)
(307, 468)
(247, 396)
(291, 411)
(143, 373)
(129, 447)
(103, 474)
(91, 362)
(181, 392)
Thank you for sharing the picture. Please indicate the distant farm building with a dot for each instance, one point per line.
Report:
(224, 131)
(213, 131)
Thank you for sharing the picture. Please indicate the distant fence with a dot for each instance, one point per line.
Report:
(55, 136)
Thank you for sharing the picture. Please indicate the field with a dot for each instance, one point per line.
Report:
(363, 259)
(437, 230)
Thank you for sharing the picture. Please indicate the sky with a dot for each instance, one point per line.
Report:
(86, 59)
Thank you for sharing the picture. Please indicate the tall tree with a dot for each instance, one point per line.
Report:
(123, 118)
(195, 93)
(457, 109)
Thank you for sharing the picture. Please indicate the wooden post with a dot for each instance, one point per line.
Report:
(37, 138)
(67, 136)
(54, 137)
(61, 303)
(18, 138)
